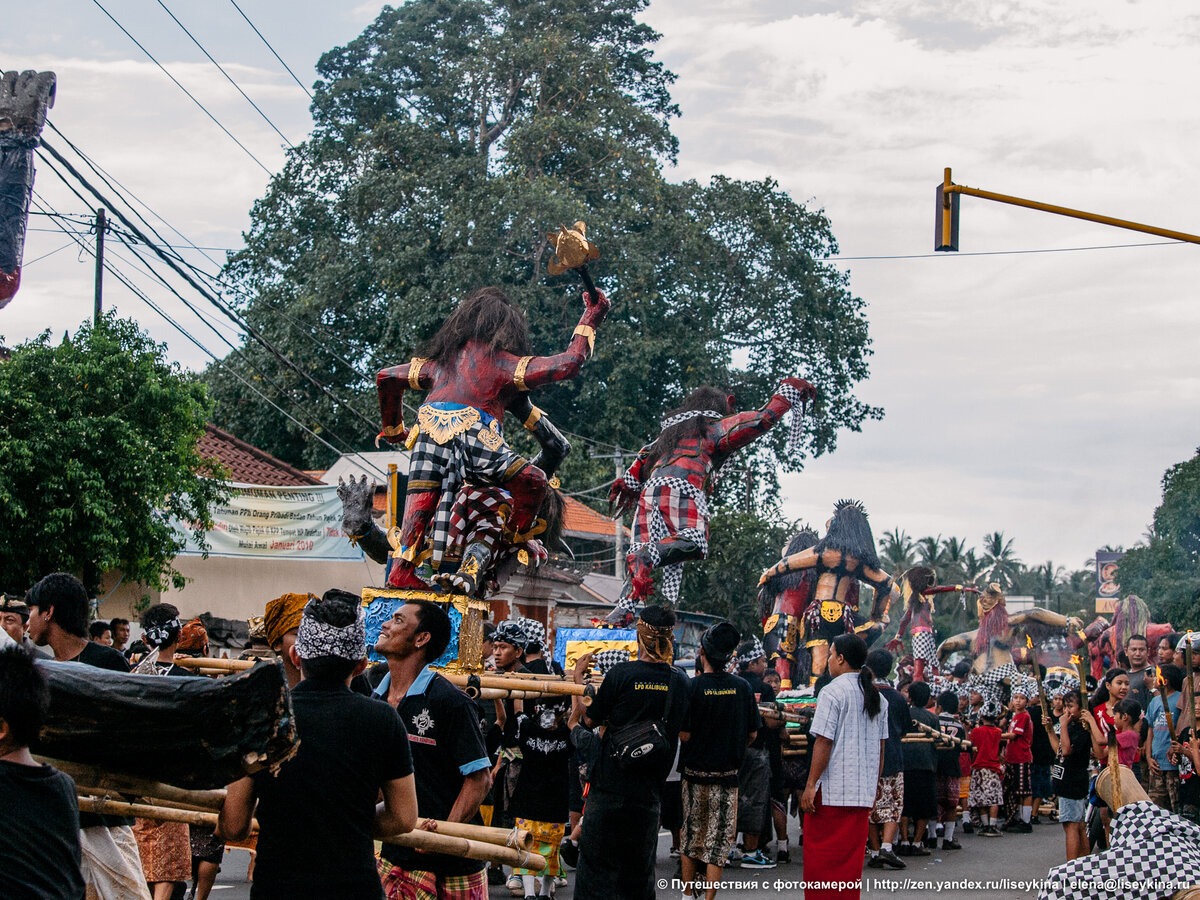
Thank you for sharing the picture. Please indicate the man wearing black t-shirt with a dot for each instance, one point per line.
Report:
(58, 618)
(449, 758)
(722, 719)
(39, 853)
(318, 815)
(620, 821)
(765, 754)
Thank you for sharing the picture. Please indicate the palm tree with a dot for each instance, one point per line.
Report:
(1046, 580)
(896, 550)
(1000, 563)
(931, 553)
(954, 554)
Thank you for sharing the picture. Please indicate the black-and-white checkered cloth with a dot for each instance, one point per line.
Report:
(796, 422)
(465, 457)
(1152, 854)
(691, 414)
(753, 651)
(606, 659)
(672, 578)
(925, 647)
(535, 631)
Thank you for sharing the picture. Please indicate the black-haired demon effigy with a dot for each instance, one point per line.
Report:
(672, 478)
(476, 367)
(841, 559)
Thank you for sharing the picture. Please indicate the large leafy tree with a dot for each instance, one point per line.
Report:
(447, 138)
(98, 436)
(1165, 571)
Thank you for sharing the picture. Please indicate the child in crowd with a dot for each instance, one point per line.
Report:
(948, 776)
(1018, 759)
(1186, 753)
(1128, 716)
(40, 855)
(1077, 739)
(987, 786)
(920, 764)
(539, 801)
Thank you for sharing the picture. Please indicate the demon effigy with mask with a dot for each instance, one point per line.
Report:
(476, 367)
(672, 478)
(783, 601)
(841, 559)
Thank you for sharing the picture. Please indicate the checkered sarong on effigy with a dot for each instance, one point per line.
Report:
(1152, 854)
(670, 507)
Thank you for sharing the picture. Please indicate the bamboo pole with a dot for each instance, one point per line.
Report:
(1189, 685)
(432, 842)
(509, 694)
(521, 684)
(216, 665)
(127, 797)
(108, 807)
(129, 784)
(520, 838)
(942, 738)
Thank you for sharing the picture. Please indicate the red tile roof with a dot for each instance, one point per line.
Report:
(583, 521)
(247, 464)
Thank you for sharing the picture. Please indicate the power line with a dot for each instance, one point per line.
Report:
(303, 87)
(1001, 252)
(211, 298)
(26, 265)
(191, 97)
(228, 77)
(219, 362)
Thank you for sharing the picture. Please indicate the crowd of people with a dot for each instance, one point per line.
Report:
(894, 770)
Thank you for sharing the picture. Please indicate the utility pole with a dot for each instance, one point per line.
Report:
(101, 226)
(617, 456)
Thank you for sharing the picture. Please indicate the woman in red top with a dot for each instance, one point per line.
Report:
(1113, 690)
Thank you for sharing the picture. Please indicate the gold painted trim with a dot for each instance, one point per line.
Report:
(588, 332)
(534, 417)
(414, 372)
(519, 374)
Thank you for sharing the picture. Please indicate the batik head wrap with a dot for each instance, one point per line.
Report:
(283, 614)
(655, 643)
(162, 634)
(510, 632)
(316, 638)
(193, 638)
(751, 650)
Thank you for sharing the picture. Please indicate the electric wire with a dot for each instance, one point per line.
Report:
(191, 96)
(228, 77)
(211, 298)
(183, 331)
(272, 49)
(348, 447)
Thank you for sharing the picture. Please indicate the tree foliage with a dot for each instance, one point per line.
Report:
(448, 137)
(1165, 571)
(726, 583)
(98, 436)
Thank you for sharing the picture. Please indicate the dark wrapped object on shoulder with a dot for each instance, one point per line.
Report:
(199, 733)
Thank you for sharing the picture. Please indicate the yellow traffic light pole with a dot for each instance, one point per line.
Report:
(946, 225)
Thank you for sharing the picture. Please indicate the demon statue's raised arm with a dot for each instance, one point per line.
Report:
(842, 558)
(475, 367)
(24, 99)
(672, 478)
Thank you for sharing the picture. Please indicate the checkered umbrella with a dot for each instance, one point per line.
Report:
(1151, 854)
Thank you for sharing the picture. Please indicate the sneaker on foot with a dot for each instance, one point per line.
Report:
(875, 863)
(1022, 827)
(968, 828)
(930, 843)
(918, 850)
(783, 856)
(515, 886)
(757, 860)
(891, 859)
(951, 845)
(904, 850)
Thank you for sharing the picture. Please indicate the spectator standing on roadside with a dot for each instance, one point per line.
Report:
(885, 817)
(920, 763)
(754, 777)
(722, 720)
(848, 734)
(948, 776)
(619, 841)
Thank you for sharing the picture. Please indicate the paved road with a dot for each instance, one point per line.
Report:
(1011, 858)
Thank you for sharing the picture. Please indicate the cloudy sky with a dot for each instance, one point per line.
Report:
(1039, 393)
